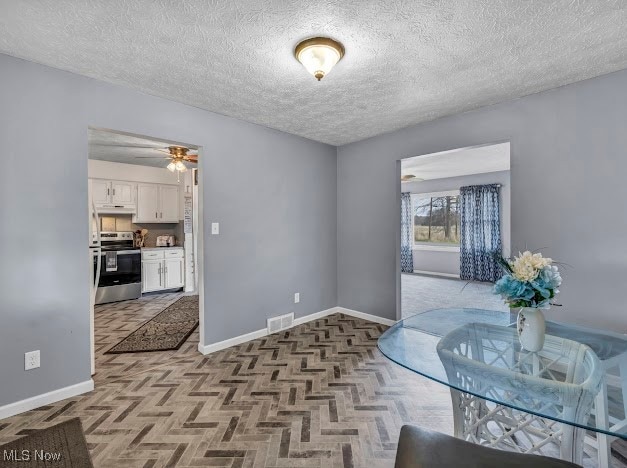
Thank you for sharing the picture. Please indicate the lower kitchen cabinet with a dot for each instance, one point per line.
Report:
(151, 275)
(162, 269)
(174, 271)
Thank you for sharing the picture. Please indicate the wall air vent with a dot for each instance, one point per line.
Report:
(281, 322)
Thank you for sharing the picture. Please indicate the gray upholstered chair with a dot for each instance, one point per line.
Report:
(419, 448)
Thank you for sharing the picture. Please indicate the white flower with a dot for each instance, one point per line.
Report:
(527, 265)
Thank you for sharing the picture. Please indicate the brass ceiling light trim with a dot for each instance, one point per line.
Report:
(178, 151)
(319, 55)
(179, 156)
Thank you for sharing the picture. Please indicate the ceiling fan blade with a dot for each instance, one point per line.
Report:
(151, 157)
(190, 160)
(119, 145)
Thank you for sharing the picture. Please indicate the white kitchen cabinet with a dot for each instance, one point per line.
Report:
(151, 275)
(147, 204)
(169, 200)
(112, 195)
(157, 204)
(100, 192)
(174, 273)
(123, 193)
(162, 269)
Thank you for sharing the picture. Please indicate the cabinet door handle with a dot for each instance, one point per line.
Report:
(108, 192)
(156, 215)
(114, 192)
(161, 216)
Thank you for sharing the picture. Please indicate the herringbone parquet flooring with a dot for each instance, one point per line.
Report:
(317, 395)
(114, 322)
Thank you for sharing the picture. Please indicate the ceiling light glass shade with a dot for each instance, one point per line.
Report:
(180, 166)
(319, 55)
(172, 167)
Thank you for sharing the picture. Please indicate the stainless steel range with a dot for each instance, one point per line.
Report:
(120, 268)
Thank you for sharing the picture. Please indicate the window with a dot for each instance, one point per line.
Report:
(436, 218)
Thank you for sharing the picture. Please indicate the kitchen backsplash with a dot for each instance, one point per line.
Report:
(124, 223)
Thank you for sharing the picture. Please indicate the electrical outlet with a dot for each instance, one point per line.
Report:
(215, 229)
(296, 298)
(31, 360)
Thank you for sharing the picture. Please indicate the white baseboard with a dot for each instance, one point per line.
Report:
(315, 316)
(369, 317)
(220, 345)
(46, 398)
(435, 273)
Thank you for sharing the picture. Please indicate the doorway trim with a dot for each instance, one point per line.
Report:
(398, 162)
(198, 267)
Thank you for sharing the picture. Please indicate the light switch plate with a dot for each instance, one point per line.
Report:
(31, 360)
(296, 298)
(215, 228)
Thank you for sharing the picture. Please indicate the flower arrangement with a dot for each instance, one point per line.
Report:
(530, 280)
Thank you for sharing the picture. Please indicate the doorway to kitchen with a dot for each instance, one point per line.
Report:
(145, 248)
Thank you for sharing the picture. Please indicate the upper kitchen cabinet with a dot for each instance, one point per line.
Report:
(123, 193)
(169, 199)
(101, 192)
(157, 204)
(147, 204)
(110, 195)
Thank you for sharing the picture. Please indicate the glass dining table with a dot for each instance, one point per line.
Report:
(553, 402)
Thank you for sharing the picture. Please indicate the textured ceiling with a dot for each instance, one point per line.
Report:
(465, 161)
(407, 61)
(128, 149)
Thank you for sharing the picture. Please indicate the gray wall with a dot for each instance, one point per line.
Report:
(448, 262)
(274, 195)
(567, 179)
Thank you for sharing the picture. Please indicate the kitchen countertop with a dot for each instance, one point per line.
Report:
(163, 248)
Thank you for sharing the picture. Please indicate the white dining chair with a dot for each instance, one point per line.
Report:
(611, 349)
(558, 383)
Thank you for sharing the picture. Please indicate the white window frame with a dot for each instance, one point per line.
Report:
(429, 246)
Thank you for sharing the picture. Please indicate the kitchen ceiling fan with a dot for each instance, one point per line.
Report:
(177, 156)
(411, 178)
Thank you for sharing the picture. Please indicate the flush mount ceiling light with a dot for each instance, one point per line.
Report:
(319, 55)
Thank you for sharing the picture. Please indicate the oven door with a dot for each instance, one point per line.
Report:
(129, 269)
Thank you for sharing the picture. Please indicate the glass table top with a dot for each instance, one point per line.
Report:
(478, 353)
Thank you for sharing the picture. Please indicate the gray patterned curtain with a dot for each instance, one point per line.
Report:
(480, 233)
(407, 259)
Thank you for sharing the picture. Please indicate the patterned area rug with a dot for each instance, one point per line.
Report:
(62, 446)
(166, 331)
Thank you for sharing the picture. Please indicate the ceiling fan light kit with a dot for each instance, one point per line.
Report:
(178, 158)
(319, 55)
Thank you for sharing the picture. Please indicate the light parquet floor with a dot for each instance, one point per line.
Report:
(318, 395)
(114, 322)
